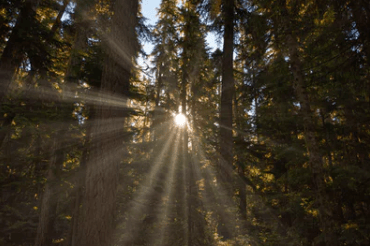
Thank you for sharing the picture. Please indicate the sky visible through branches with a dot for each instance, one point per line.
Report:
(242, 122)
(149, 10)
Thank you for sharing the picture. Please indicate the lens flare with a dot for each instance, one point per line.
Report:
(180, 120)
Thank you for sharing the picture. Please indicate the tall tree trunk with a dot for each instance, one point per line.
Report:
(80, 182)
(157, 112)
(226, 115)
(327, 139)
(227, 96)
(71, 77)
(79, 45)
(48, 212)
(315, 157)
(241, 186)
(97, 222)
(185, 137)
(46, 229)
(185, 150)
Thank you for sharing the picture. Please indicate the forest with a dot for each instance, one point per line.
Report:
(260, 142)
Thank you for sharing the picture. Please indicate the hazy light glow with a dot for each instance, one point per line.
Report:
(180, 120)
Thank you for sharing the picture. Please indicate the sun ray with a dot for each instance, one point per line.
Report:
(210, 171)
(168, 194)
(215, 191)
(185, 169)
(70, 93)
(139, 203)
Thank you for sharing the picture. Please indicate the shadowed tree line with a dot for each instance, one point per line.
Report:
(274, 150)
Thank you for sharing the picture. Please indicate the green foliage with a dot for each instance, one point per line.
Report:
(54, 98)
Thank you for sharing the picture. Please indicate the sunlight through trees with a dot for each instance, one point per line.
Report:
(263, 143)
(180, 120)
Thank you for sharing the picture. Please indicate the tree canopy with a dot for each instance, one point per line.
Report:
(264, 142)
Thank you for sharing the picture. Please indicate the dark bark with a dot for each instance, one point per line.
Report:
(187, 164)
(6, 128)
(79, 45)
(226, 115)
(71, 76)
(80, 183)
(227, 96)
(185, 137)
(327, 139)
(242, 195)
(242, 189)
(46, 229)
(157, 110)
(96, 224)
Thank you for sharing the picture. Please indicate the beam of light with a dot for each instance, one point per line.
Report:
(164, 216)
(185, 196)
(139, 203)
(180, 120)
(215, 192)
(72, 93)
(110, 129)
(218, 191)
(187, 172)
(220, 194)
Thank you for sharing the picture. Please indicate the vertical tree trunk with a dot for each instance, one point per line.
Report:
(315, 157)
(46, 229)
(226, 109)
(97, 222)
(71, 77)
(185, 137)
(327, 139)
(186, 161)
(241, 186)
(157, 112)
(79, 45)
(48, 212)
(80, 182)
(226, 115)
